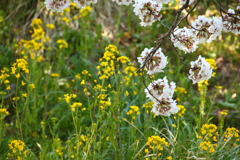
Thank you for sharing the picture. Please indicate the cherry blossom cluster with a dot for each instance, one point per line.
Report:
(84, 3)
(147, 11)
(184, 39)
(207, 29)
(184, 1)
(200, 70)
(123, 2)
(161, 93)
(57, 5)
(230, 24)
(203, 30)
(156, 62)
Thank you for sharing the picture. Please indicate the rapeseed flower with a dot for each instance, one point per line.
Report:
(4, 112)
(181, 110)
(156, 144)
(51, 26)
(62, 43)
(133, 112)
(85, 11)
(180, 90)
(209, 137)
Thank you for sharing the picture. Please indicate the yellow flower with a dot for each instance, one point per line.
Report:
(83, 82)
(4, 111)
(24, 95)
(181, 110)
(62, 43)
(212, 63)
(85, 11)
(32, 85)
(169, 158)
(65, 19)
(123, 59)
(6, 81)
(51, 26)
(54, 75)
(8, 88)
(17, 75)
(218, 87)
(23, 83)
(180, 90)
(224, 112)
(146, 150)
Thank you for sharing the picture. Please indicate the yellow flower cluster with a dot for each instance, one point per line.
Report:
(209, 137)
(38, 32)
(232, 133)
(65, 19)
(181, 110)
(131, 70)
(180, 90)
(123, 59)
(68, 97)
(35, 46)
(21, 64)
(50, 26)
(213, 65)
(73, 6)
(148, 106)
(4, 73)
(17, 147)
(104, 104)
(101, 96)
(107, 62)
(85, 11)
(54, 75)
(224, 112)
(134, 111)
(62, 43)
(169, 158)
(75, 105)
(203, 85)
(208, 146)
(156, 144)
(97, 87)
(218, 87)
(83, 139)
(4, 112)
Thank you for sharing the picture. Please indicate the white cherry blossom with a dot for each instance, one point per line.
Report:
(165, 107)
(207, 29)
(157, 62)
(147, 11)
(57, 5)
(84, 3)
(200, 70)
(228, 22)
(123, 2)
(184, 39)
(184, 1)
(162, 1)
(160, 89)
